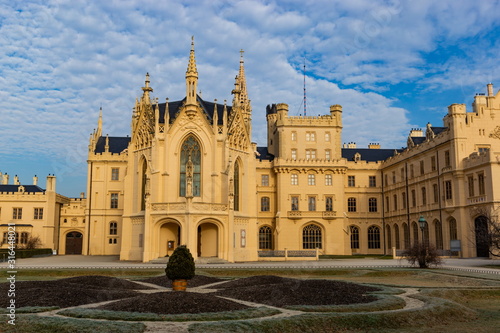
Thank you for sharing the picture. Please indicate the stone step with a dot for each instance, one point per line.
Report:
(210, 260)
(201, 260)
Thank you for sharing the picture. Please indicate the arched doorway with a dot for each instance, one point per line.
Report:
(74, 241)
(482, 237)
(208, 240)
(170, 238)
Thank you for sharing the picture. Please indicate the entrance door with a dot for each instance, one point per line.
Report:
(207, 240)
(482, 237)
(74, 241)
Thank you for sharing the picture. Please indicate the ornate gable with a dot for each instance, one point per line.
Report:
(143, 119)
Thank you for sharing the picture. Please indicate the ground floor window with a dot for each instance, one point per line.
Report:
(311, 237)
(373, 237)
(265, 238)
(354, 237)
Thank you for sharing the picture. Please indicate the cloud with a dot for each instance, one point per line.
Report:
(62, 60)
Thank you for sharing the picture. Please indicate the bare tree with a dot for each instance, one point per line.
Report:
(423, 255)
(34, 242)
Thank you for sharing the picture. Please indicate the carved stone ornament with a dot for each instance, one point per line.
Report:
(496, 133)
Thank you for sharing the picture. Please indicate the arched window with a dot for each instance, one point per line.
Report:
(190, 176)
(374, 237)
(396, 236)
(426, 234)
(389, 236)
(265, 238)
(406, 235)
(264, 204)
(354, 237)
(438, 230)
(311, 237)
(414, 228)
(143, 184)
(113, 228)
(453, 229)
(236, 187)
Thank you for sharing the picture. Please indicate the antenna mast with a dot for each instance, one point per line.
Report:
(305, 108)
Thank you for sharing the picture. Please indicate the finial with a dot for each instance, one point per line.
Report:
(147, 88)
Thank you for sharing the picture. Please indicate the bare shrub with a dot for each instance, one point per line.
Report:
(422, 255)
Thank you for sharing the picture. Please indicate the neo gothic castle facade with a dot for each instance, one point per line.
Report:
(190, 174)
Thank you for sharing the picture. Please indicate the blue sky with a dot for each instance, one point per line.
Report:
(392, 65)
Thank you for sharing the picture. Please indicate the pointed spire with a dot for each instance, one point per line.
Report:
(242, 81)
(99, 124)
(191, 70)
(191, 77)
(147, 89)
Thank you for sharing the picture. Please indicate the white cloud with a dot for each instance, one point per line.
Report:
(61, 61)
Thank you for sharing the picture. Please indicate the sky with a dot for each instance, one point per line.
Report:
(393, 65)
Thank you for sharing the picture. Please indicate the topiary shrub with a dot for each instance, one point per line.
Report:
(180, 265)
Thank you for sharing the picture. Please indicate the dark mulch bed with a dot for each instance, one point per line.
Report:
(275, 291)
(198, 280)
(47, 293)
(105, 282)
(70, 291)
(270, 290)
(174, 303)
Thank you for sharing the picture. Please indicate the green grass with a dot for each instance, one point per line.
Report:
(356, 256)
(50, 274)
(436, 311)
(139, 316)
(31, 309)
(385, 302)
(36, 324)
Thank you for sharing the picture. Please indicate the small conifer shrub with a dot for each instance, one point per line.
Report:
(180, 265)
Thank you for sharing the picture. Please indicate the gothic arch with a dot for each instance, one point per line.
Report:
(143, 172)
(209, 233)
(190, 166)
(169, 235)
(312, 235)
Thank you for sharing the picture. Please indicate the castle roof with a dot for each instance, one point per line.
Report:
(264, 154)
(15, 188)
(367, 154)
(117, 144)
(207, 107)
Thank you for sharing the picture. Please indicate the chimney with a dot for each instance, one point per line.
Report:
(489, 87)
(351, 145)
(51, 183)
(35, 180)
(82, 195)
(416, 133)
(374, 146)
(16, 180)
(5, 179)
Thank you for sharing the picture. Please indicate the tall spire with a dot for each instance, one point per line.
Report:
(147, 89)
(99, 124)
(191, 77)
(240, 99)
(242, 81)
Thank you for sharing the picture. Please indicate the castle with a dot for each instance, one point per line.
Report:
(190, 174)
